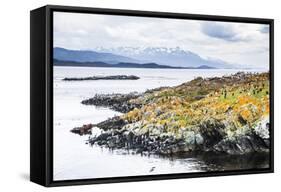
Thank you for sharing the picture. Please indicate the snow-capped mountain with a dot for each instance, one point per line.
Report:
(165, 56)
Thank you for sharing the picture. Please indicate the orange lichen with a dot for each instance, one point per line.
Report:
(226, 99)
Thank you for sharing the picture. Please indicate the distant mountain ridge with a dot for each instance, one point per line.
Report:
(122, 65)
(166, 56)
(89, 56)
(173, 57)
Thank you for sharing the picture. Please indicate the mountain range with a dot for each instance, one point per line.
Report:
(166, 56)
(161, 57)
(89, 56)
(122, 65)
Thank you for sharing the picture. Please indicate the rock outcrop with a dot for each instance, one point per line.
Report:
(83, 130)
(112, 77)
(117, 102)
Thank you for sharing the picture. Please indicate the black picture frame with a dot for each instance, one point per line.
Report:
(41, 94)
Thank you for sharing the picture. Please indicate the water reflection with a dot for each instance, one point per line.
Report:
(205, 161)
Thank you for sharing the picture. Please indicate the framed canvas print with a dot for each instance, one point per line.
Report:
(122, 95)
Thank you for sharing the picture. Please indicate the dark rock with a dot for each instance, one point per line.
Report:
(199, 97)
(100, 140)
(242, 120)
(243, 144)
(212, 132)
(85, 129)
(114, 123)
(117, 102)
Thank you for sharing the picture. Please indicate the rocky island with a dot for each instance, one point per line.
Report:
(111, 77)
(228, 114)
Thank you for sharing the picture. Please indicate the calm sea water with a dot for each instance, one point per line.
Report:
(73, 159)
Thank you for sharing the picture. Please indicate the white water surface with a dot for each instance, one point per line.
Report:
(74, 159)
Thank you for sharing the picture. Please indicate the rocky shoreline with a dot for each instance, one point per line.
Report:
(150, 120)
(112, 77)
(117, 102)
(116, 135)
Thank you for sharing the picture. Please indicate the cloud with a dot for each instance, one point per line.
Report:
(219, 31)
(264, 29)
(232, 42)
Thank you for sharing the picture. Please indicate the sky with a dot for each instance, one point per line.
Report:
(236, 43)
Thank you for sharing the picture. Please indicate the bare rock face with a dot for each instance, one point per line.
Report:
(262, 129)
(254, 140)
(212, 132)
(242, 145)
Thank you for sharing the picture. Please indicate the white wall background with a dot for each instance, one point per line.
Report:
(14, 101)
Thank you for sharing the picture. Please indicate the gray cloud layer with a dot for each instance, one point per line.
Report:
(220, 31)
(246, 44)
(264, 29)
